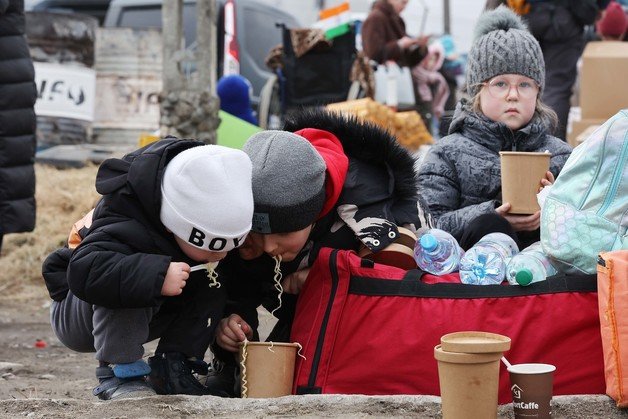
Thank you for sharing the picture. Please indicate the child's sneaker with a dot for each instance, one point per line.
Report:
(173, 373)
(123, 381)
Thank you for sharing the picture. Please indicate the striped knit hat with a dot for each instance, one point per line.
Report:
(502, 44)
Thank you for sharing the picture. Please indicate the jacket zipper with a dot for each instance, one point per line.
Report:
(333, 268)
(615, 180)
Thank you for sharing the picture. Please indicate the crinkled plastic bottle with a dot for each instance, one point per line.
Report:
(528, 266)
(485, 263)
(437, 252)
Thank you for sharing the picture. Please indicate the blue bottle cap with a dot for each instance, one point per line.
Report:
(523, 277)
(428, 242)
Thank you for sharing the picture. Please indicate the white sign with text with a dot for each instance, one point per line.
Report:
(65, 91)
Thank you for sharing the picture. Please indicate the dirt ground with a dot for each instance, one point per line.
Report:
(30, 371)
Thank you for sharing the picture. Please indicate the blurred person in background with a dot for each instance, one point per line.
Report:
(17, 123)
(384, 35)
(234, 92)
(613, 23)
(432, 87)
(558, 25)
(384, 39)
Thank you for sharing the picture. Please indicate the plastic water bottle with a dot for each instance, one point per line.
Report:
(528, 266)
(437, 252)
(485, 263)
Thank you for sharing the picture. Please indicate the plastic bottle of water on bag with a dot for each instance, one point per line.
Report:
(528, 266)
(485, 263)
(437, 252)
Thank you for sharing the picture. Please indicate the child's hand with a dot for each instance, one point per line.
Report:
(520, 222)
(231, 331)
(293, 283)
(503, 209)
(176, 277)
(548, 180)
(525, 222)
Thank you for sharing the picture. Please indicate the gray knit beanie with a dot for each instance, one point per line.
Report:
(503, 45)
(288, 181)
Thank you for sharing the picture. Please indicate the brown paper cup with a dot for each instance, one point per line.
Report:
(468, 383)
(521, 178)
(268, 369)
(532, 388)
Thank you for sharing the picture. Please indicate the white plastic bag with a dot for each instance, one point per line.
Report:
(393, 85)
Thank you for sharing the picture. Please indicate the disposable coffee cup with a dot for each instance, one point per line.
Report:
(267, 369)
(469, 383)
(521, 178)
(532, 388)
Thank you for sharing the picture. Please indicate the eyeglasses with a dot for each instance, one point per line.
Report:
(499, 88)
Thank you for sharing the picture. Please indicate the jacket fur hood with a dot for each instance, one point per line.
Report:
(363, 141)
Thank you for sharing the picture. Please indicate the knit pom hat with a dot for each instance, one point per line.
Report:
(207, 198)
(613, 22)
(234, 92)
(503, 45)
(288, 181)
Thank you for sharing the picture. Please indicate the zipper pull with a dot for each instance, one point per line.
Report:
(601, 261)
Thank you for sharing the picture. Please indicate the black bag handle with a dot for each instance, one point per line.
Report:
(412, 286)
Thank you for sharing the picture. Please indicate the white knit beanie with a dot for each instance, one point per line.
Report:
(207, 198)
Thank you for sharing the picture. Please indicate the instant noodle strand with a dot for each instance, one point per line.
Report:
(277, 280)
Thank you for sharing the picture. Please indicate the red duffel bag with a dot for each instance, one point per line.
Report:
(368, 328)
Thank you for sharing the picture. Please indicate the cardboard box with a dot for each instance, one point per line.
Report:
(603, 86)
(585, 134)
(578, 127)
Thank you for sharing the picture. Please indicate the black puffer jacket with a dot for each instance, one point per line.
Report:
(17, 122)
(123, 259)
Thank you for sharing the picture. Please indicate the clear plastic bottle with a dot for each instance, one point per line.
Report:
(437, 252)
(528, 266)
(485, 263)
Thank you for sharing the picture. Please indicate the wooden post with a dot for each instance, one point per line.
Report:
(172, 35)
(206, 44)
(189, 107)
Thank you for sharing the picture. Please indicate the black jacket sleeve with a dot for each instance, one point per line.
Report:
(107, 272)
(54, 271)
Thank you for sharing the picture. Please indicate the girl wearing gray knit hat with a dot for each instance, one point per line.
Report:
(461, 175)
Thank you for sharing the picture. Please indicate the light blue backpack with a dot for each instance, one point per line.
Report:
(586, 209)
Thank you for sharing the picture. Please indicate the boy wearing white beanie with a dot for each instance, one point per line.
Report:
(165, 208)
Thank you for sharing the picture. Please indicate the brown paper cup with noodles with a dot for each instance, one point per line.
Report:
(532, 388)
(521, 178)
(468, 383)
(267, 369)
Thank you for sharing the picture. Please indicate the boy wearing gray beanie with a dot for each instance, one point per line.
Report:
(126, 275)
(325, 180)
(461, 176)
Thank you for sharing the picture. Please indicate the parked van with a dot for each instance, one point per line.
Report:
(246, 32)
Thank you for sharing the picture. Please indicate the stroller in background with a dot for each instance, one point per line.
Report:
(318, 77)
